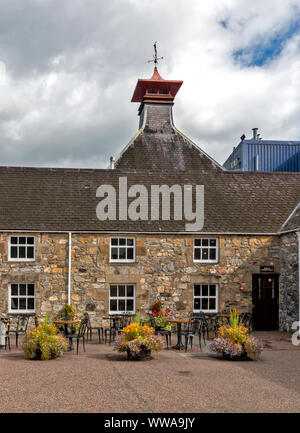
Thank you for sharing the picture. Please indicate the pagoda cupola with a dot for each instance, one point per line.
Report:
(155, 90)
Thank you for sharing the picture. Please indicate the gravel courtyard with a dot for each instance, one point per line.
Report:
(102, 380)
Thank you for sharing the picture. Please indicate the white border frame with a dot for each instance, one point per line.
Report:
(216, 247)
(120, 246)
(14, 259)
(122, 297)
(216, 310)
(10, 311)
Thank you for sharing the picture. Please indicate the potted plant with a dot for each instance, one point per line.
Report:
(234, 341)
(138, 340)
(44, 343)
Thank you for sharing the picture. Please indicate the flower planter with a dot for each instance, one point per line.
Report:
(241, 357)
(143, 354)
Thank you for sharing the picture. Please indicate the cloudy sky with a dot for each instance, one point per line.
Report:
(68, 69)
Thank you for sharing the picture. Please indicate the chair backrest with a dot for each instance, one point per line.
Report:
(87, 318)
(194, 325)
(82, 326)
(22, 323)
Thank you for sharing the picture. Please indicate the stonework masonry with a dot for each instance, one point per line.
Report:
(164, 269)
(289, 284)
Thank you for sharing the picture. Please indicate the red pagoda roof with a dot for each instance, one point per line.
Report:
(156, 89)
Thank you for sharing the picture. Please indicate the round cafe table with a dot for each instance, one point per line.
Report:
(65, 323)
(179, 322)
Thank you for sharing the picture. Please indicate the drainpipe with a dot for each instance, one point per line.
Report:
(298, 234)
(70, 265)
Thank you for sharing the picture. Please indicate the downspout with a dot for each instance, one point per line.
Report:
(70, 267)
(298, 234)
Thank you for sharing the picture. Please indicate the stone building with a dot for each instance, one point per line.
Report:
(54, 248)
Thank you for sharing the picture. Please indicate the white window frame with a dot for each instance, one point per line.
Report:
(111, 312)
(122, 246)
(206, 247)
(18, 311)
(17, 259)
(216, 297)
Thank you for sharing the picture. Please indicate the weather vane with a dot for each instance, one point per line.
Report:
(155, 58)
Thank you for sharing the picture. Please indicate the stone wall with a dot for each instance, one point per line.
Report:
(289, 284)
(164, 269)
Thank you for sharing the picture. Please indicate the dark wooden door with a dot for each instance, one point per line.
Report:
(265, 292)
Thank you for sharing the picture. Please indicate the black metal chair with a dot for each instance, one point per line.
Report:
(21, 327)
(91, 328)
(112, 329)
(80, 335)
(6, 335)
(207, 324)
(246, 320)
(164, 332)
(194, 329)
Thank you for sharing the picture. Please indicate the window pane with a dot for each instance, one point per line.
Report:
(204, 254)
(14, 303)
(122, 305)
(129, 305)
(196, 304)
(204, 242)
(130, 291)
(197, 290)
(30, 289)
(197, 242)
(197, 253)
(212, 254)
(204, 303)
(30, 303)
(204, 290)
(114, 253)
(129, 241)
(212, 290)
(122, 253)
(212, 242)
(121, 290)
(14, 252)
(22, 303)
(130, 253)
(14, 290)
(113, 291)
(23, 289)
(22, 241)
(22, 254)
(113, 305)
(122, 241)
(114, 241)
(212, 303)
(30, 251)
(13, 240)
(30, 241)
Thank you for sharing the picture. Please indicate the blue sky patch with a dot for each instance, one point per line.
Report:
(261, 53)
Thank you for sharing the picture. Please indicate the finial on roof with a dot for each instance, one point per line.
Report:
(155, 58)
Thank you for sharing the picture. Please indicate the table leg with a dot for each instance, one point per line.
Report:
(70, 347)
(179, 345)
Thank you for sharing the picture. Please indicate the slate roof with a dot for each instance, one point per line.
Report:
(160, 146)
(54, 199)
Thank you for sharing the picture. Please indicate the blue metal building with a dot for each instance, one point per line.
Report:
(256, 154)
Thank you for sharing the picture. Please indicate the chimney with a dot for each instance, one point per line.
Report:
(255, 133)
(111, 163)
